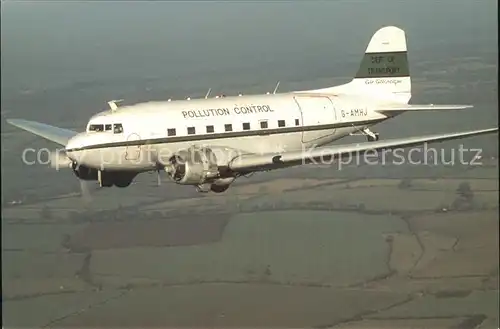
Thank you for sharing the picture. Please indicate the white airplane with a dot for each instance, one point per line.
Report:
(209, 142)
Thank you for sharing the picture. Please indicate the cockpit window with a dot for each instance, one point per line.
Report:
(96, 128)
(118, 128)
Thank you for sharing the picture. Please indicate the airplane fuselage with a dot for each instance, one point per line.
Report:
(150, 133)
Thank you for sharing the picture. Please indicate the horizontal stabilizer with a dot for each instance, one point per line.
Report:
(422, 107)
(57, 135)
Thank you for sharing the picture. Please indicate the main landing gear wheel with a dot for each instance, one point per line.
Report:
(109, 179)
(122, 183)
(219, 188)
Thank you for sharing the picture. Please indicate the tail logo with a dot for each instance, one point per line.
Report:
(383, 82)
(384, 65)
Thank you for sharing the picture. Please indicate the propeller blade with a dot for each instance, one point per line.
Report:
(170, 169)
(85, 191)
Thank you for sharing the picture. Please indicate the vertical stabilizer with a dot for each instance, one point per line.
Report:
(384, 67)
(384, 71)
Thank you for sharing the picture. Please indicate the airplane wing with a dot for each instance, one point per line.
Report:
(421, 107)
(260, 162)
(60, 136)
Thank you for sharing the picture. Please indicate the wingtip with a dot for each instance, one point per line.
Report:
(11, 121)
(15, 122)
(486, 131)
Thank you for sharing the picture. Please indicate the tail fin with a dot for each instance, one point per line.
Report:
(384, 70)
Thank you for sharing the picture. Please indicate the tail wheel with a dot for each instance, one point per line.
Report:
(373, 138)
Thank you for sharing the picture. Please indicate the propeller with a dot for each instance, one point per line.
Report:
(85, 191)
(158, 177)
(169, 168)
(176, 169)
(58, 159)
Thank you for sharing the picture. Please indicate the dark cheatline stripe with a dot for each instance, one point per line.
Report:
(233, 134)
(384, 65)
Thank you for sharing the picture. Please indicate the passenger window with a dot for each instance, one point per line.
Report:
(107, 127)
(171, 132)
(281, 123)
(246, 126)
(263, 124)
(118, 128)
(191, 131)
(296, 122)
(210, 129)
(96, 128)
(228, 127)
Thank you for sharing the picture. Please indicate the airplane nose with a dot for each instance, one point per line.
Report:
(73, 147)
(70, 153)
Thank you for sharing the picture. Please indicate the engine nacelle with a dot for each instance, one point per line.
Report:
(194, 166)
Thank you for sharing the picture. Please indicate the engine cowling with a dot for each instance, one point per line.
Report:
(194, 166)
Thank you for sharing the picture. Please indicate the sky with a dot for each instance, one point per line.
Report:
(129, 46)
